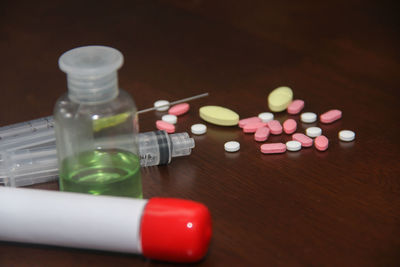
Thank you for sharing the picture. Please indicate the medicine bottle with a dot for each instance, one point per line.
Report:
(90, 120)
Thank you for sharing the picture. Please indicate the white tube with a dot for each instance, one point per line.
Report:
(71, 219)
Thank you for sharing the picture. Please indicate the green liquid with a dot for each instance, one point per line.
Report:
(102, 172)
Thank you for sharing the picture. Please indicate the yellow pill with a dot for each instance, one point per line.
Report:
(219, 115)
(280, 98)
(110, 121)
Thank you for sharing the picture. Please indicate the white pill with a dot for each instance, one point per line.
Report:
(293, 145)
(266, 116)
(347, 135)
(198, 129)
(169, 118)
(308, 117)
(159, 103)
(313, 131)
(232, 146)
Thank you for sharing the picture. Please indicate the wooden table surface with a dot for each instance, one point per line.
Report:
(310, 208)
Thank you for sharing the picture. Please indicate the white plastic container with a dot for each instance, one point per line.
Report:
(160, 228)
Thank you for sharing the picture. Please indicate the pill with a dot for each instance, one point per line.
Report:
(219, 115)
(179, 109)
(163, 103)
(347, 135)
(308, 117)
(198, 129)
(330, 116)
(303, 139)
(321, 143)
(168, 127)
(289, 126)
(252, 127)
(169, 118)
(275, 127)
(261, 134)
(313, 131)
(232, 146)
(243, 122)
(280, 98)
(295, 107)
(273, 148)
(293, 145)
(266, 116)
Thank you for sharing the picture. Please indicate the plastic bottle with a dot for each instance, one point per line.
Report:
(167, 229)
(90, 119)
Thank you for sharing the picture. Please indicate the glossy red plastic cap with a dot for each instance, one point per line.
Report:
(175, 230)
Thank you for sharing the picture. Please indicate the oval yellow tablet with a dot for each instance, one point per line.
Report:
(280, 98)
(219, 115)
(110, 121)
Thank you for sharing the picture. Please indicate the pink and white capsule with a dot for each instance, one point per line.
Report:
(243, 122)
(330, 116)
(321, 143)
(179, 109)
(295, 107)
(275, 127)
(273, 148)
(289, 126)
(261, 134)
(252, 127)
(303, 139)
(168, 127)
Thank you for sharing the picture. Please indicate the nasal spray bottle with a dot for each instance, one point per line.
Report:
(90, 120)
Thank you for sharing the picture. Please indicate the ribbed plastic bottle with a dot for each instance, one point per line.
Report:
(90, 119)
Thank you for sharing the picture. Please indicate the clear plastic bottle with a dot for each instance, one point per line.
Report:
(90, 119)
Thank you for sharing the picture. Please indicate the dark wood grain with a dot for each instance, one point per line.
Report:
(339, 207)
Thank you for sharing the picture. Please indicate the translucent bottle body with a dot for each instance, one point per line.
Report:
(90, 158)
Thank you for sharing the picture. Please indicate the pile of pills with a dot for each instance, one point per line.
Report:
(263, 125)
(168, 121)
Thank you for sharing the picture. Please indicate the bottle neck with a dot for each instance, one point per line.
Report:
(92, 89)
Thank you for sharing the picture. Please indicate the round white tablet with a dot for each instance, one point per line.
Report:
(159, 103)
(232, 146)
(293, 145)
(347, 135)
(266, 116)
(308, 117)
(313, 131)
(198, 129)
(169, 118)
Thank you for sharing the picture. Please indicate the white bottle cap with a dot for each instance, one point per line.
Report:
(91, 73)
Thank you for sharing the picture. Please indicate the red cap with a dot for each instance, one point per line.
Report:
(175, 230)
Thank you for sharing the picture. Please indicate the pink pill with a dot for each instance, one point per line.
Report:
(273, 148)
(168, 127)
(295, 107)
(275, 127)
(321, 143)
(303, 139)
(243, 122)
(252, 127)
(179, 109)
(330, 116)
(261, 134)
(290, 126)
